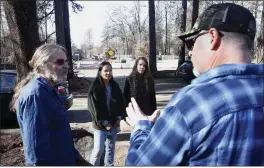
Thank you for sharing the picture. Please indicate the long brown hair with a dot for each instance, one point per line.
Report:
(148, 80)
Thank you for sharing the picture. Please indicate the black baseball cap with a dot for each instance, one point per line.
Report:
(227, 17)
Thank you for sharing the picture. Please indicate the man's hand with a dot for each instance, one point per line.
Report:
(135, 114)
(109, 127)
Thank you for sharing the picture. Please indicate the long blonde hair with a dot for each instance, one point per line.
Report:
(41, 56)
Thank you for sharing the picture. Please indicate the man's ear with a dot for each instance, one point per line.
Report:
(215, 39)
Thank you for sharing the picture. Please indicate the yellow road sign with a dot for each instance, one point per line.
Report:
(111, 52)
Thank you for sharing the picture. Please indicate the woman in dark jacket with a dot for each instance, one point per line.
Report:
(106, 105)
(140, 85)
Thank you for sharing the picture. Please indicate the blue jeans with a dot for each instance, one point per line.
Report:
(109, 139)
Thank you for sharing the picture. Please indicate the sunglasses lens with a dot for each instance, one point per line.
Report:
(60, 61)
(189, 44)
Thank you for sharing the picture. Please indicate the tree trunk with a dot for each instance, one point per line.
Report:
(68, 36)
(152, 37)
(139, 24)
(63, 36)
(195, 11)
(22, 21)
(59, 22)
(182, 28)
(166, 30)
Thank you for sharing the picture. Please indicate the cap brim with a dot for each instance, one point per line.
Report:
(187, 34)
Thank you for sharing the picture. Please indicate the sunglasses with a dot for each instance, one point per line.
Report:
(60, 61)
(191, 40)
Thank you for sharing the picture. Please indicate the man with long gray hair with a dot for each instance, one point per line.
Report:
(41, 115)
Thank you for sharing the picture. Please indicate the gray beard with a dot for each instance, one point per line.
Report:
(57, 78)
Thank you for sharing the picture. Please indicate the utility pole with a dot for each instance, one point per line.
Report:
(63, 36)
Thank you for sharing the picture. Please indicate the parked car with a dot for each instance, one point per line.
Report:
(7, 84)
(7, 66)
(123, 61)
(88, 65)
(185, 71)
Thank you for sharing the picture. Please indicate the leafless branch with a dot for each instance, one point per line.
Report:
(51, 12)
(44, 41)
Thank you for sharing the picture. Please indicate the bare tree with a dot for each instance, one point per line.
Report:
(137, 19)
(120, 26)
(130, 26)
(167, 27)
(159, 27)
(45, 12)
(25, 21)
(88, 46)
(22, 22)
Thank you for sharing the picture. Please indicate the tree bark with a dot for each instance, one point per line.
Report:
(152, 37)
(182, 28)
(22, 21)
(63, 36)
(195, 11)
(68, 37)
(166, 29)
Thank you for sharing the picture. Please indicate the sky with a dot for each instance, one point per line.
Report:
(93, 17)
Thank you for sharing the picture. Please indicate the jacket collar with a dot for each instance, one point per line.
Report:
(231, 69)
(44, 82)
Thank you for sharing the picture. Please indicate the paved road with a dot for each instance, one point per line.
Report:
(161, 64)
(79, 116)
(91, 73)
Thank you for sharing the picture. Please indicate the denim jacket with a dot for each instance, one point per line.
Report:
(44, 127)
